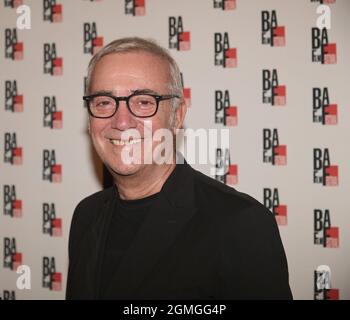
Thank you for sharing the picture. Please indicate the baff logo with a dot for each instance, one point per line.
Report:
(225, 4)
(51, 278)
(12, 205)
(273, 93)
(13, 100)
(53, 65)
(272, 202)
(323, 51)
(225, 172)
(322, 284)
(51, 224)
(8, 295)
(51, 170)
(324, 233)
(52, 118)
(186, 92)
(224, 55)
(92, 42)
(273, 151)
(325, 173)
(13, 48)
(12, 153)
(324, 112)
(13, 3)
(52, 11)
(271, 33)
(12, 258)
(135, 7)
(225, 113)
(178, 38)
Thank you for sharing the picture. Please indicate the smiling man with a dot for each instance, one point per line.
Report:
(164, 230)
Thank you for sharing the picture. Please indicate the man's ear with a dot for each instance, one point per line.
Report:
(180, 114)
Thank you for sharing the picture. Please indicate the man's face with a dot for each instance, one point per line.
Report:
(121, 75)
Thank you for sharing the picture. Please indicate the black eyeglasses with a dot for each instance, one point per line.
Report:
(140, 105)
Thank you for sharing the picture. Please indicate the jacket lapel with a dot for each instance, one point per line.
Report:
(99, 233)
(167, 217)
(85, 263)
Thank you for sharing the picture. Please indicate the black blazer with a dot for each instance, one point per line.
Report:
(201, 240)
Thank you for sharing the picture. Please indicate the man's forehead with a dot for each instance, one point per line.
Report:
(119, 77)
(134, 63)
(133, 55)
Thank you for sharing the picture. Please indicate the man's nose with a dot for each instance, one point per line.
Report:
(123, 119)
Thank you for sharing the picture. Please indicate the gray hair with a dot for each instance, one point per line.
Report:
(134, 44)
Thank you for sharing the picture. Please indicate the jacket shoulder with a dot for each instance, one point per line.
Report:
(88, 207)
(229, 208)
(212, 193)
(251, 256)
(95, 198)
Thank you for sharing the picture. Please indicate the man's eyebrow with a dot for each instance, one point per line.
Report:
(136, 91)
(145, 91)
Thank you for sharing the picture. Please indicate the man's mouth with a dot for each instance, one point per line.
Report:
(118, 142)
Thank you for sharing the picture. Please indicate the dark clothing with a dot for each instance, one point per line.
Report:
(200, 240)
(126, 220)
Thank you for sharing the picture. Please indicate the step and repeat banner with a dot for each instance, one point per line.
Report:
(274, 73)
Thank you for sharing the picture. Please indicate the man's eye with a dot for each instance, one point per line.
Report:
(103, 103)
(145, 102)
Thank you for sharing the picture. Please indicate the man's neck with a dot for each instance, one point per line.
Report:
(147, 182)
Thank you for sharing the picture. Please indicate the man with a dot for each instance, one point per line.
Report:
(164, 230)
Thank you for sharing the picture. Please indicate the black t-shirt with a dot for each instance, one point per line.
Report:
(125, 222)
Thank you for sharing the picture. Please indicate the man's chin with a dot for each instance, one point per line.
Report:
(125, 169)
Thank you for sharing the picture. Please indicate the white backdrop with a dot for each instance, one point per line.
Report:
(43, 114)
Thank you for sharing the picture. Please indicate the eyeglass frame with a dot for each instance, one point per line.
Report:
(158, 98)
